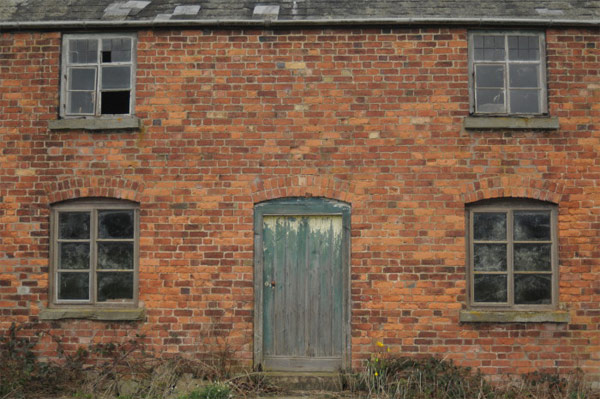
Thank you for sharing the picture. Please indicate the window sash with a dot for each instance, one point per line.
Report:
(510, 242)
(507, 91)
(98, 65)
(93, 208)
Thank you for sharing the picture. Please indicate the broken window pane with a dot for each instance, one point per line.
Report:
(116, 77)
(83, 51)
(490, 288)
(114, 286)
(82, 79)
(490, 75)
(524, 48)
(523, 75)
(533, 289)
(490, 100)
(524, 101)
(74, 255)
(81, 102)
(490, 48)
(489, 226)
(115, 224)
(116, 50)
(115, 102)
(532, 226)
(73, 286)
(115, 255)
(489, 257)
(533, 257)
(74, 225)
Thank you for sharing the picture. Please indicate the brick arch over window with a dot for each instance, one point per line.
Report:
(512, 186)
(80, 187)
(303, 186)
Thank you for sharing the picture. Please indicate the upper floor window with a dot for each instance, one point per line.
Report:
(94, 252)
(512, 254)
(507, 73)
(98, 75)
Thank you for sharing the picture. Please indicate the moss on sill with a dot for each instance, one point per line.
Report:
(514, 316)
(92, 314)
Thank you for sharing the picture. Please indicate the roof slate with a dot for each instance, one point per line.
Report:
(12, 11)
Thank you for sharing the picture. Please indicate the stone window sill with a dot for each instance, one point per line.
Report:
(125, 123)
(514, 316)
(92, 314)
(511, 122)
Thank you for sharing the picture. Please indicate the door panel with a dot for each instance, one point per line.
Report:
(302, 292)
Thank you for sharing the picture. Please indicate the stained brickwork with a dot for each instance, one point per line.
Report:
(373, 117)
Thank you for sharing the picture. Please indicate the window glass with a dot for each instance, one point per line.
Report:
(95, 265)
(508, 73)
(98, 75)
(512, 253)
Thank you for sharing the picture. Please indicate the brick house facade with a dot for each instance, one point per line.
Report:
(379, 118)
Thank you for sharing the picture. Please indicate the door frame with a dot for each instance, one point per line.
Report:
(301, 206)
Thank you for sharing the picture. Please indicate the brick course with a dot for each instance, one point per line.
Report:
(372, 117)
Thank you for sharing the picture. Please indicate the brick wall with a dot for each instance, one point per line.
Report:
(368, 116)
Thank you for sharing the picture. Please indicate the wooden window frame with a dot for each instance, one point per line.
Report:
(97, 100)
(92, 206)
(543, 101)
(509, 206)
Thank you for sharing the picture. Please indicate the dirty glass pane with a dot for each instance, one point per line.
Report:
(82, 79)
(532, 257)
(490, 288)
(524, 101)
(533, 289)
(116, 50)
(73, 286)
(532, 226)
(489, 257)
(114, 286)
(116, 77)
(489, 226)
(81, 102)
(489, 48)
(83, 51)
(523, 75)
(115, 255)
(490, 100)
(523, 48)
(74, 255)
(489, 75)
(74, 225)
(115, 224)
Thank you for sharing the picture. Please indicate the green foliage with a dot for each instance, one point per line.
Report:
(212, 391)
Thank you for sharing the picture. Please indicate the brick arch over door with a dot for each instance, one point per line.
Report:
(80, 187)
(303, 186)
(512, 186)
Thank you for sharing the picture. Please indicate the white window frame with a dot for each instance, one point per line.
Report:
(509, 206)
(542, 80)
(97, 97)
(92, 206)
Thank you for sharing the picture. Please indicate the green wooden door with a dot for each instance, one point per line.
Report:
(303, 274)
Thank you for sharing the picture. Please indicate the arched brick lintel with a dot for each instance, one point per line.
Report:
(302, 186)
(513, 186)
(82, 187)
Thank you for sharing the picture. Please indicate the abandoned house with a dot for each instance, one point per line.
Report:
(305, 179)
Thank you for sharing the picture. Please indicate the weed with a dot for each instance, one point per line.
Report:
(212, 391)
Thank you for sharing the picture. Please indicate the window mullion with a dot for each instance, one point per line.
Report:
(510, 258)
(93, 255)
(506, 77)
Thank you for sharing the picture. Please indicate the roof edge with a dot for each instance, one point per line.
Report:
(266, 23)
